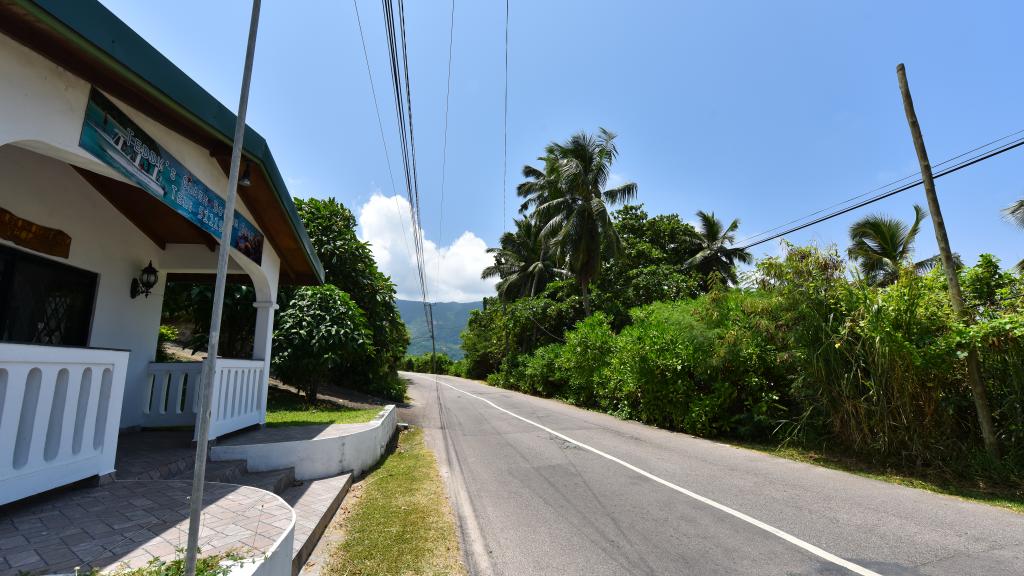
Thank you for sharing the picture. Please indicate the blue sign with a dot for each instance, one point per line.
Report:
(109, 135)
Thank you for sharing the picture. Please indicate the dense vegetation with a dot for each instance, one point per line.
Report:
(347, 332)
(860, 354)
(349, 265)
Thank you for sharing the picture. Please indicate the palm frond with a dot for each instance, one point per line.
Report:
(1015, 212)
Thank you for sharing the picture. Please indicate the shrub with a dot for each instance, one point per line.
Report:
(536, 373)
(166, 334)
(439, 364)
(696, 366)
(349, 265)
(584, 357)
(804, 355)
(322, 331)
(459, 368)
(504, 331)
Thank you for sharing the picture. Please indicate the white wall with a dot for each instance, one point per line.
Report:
(51, 193)
(347, 448)
(42, 107)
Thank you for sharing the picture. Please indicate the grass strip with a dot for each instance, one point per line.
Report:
(401, 525)
(288, 409)
(1003, 496)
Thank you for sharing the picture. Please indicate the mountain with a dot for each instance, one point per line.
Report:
(450, 320)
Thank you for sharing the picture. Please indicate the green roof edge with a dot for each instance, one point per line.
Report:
(98, 26)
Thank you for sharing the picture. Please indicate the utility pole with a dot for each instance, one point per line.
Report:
(949, 267)
(224, 248)
(433, 341)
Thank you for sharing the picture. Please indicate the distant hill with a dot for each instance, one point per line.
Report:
(450, 320)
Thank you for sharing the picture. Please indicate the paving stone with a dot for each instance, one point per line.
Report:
(12, 541)
(131, 521)
(20, 559)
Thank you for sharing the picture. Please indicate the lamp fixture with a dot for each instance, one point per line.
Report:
(145, 282)
(246, 179)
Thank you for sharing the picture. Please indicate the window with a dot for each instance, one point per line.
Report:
(44, 302)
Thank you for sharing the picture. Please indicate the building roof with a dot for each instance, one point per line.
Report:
(87, 39)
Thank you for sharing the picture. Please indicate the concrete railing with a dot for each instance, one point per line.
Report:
(172, 398)
(239, 396)
(172, 394)
(60, 410)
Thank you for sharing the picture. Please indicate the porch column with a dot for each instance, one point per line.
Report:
(263, 337)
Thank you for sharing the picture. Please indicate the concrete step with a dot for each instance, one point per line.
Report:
(226, 471)
(315, 502)
(276, 481)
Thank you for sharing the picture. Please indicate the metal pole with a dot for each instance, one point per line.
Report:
(949, 267)
(224, 248)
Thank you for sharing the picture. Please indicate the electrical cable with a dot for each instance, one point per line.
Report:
(444, 145)
(380, 125)
(504, 169)
(884, 186)
(403, 113)
(956, 167)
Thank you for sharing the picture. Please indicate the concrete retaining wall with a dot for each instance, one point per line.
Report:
(353, 452)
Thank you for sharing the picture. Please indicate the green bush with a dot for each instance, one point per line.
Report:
(166, 334)
(459, 368)
(322, 332)
(588, 348)
(349, 265)
(803, 355)
(699, 366)
(503, 331)
(536, 373)
(424, 364)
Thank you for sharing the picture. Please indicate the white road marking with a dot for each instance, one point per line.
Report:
(855, 568)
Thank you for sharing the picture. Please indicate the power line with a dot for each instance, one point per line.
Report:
(403, 114)
(444, 146)
(505, 155)
(380, 125)
(412, 154)
(956, 167)
(882, 187)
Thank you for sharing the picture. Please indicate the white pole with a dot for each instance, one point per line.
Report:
(209, 367)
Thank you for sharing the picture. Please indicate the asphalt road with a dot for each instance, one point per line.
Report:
(541, 487)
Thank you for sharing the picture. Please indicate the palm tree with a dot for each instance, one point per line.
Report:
(883, 245)
(521, 262)
(571, 203)
(717, 253)
(1015, 213)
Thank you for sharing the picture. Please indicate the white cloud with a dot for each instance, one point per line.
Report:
(453, 271)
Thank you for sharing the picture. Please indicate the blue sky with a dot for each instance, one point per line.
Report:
(762, 111)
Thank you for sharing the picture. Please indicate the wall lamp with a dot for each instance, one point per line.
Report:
(246, 179)
(145, 282)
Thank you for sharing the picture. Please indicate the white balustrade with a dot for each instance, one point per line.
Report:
(60, 410)
(239, 395)
(171, 394)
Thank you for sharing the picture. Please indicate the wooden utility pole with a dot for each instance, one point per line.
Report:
(955, 296)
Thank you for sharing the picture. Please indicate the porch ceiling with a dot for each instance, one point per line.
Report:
(155, 219)
(88, 40)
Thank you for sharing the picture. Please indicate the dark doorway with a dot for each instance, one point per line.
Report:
(44, 302)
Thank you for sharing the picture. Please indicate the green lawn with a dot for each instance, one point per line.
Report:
(288, 409)
(401, 524)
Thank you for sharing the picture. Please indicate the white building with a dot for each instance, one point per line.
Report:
(111, 158)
